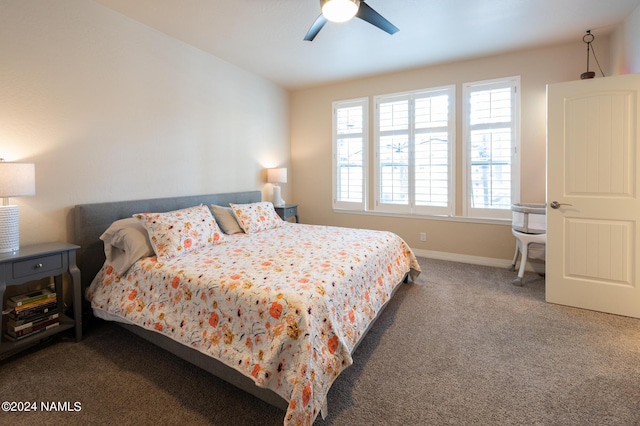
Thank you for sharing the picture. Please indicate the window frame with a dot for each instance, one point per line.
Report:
(349, 103)
(513, 83)
(411, 207)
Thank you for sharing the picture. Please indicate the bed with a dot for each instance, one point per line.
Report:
(275, 308)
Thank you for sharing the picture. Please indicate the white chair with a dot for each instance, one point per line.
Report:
(522, 246)
(529, 226)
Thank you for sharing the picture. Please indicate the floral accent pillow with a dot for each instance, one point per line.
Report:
(256, 217)
(181, 231)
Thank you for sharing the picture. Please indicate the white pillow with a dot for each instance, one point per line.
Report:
(125, 242)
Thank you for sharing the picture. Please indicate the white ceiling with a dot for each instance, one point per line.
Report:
(266, 36)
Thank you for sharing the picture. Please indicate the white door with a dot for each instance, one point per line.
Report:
(593, 185)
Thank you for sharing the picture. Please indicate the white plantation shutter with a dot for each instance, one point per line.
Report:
(414, 146)
(393, 154)
(490, 147)
(433, 148)
(350, 141)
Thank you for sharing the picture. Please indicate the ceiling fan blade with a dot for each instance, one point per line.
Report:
(315, 28)
(369, 15)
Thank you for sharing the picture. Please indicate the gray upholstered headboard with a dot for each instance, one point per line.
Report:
(91, 220)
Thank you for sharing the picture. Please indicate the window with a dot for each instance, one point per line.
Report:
(350, 142)
(490, 146)
(413, 154)
(413, 168)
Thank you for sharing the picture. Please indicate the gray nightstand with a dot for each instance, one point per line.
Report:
(288, 210)
(35, 262)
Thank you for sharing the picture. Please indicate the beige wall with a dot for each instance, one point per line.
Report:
(311, 144)
(109, 109)
(625, 45)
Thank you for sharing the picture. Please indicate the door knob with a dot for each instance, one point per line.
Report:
(556, 205)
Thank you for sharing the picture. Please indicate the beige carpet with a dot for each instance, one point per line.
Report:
(461, 346)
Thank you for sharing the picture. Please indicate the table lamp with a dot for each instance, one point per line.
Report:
(16, 180)
(276, 176)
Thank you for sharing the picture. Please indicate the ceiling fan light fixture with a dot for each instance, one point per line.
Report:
(339, 10)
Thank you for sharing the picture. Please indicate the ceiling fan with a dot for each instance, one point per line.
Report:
(343, 10)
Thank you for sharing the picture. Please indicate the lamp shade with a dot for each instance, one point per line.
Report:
(277, 175)
(339, 10)
(17, 179)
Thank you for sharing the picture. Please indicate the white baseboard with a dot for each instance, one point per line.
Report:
(475, 260)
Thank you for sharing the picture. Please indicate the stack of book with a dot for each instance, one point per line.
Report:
(32, 313)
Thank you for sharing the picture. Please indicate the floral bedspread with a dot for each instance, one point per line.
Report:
(284, 306)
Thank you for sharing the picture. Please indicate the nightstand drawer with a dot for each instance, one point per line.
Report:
(37, 265)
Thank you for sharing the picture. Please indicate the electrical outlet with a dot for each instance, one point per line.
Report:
(423, 236)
